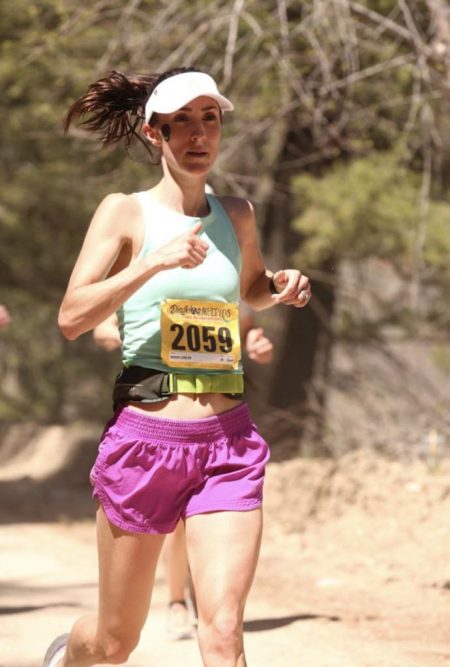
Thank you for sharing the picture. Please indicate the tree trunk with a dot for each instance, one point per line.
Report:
(303, 336)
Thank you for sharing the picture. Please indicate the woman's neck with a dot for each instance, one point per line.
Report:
(185, 197)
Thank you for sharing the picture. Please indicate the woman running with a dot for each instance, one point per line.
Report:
(181, 617)
(173, 263)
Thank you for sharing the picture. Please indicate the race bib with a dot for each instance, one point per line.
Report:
(200, 334)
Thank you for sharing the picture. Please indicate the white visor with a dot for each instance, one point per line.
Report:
(176, 91)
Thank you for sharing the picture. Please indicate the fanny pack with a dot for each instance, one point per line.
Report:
(147, 385)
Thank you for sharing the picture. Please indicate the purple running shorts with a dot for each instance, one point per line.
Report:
(151, 471)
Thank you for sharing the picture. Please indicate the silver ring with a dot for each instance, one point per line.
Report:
(305, 295)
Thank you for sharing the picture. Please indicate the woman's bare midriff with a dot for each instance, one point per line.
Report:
(189, 406)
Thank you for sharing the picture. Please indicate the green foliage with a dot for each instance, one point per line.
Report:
(437, 244)
(441, 357)
(370, 208)
(50, 188)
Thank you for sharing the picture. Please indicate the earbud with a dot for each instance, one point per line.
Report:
(165, 131)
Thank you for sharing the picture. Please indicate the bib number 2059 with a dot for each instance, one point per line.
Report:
(200, 334)
(195, 338)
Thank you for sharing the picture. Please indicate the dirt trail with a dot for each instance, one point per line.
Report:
(354, 570)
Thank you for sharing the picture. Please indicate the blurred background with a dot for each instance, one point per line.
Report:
(341, 140)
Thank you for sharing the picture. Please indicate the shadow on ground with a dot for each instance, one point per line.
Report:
(30, 501)
(47, 478)
(273, 623)
(25, 609)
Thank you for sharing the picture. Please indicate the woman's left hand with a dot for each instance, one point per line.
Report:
(293, 288)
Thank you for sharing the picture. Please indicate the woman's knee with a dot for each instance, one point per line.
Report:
(223, 631)
(116, 648)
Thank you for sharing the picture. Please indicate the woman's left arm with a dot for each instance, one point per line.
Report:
(261, 288)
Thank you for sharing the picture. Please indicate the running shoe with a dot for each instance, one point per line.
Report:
(179, 622)
(55, 651)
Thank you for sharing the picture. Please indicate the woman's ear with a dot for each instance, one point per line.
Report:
(152, 134)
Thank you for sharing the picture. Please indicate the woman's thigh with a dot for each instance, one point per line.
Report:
(223, 552)
(127, 565)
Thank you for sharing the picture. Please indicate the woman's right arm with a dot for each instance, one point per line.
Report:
(93, 294)
(104, 275)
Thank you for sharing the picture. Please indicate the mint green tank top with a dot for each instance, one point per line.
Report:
(216, 279)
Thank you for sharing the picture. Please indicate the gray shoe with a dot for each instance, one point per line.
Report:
(179, 621)
(55, 651)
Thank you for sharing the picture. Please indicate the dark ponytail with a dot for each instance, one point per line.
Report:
(114, 106)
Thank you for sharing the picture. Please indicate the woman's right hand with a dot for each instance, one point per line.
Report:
(187, 250)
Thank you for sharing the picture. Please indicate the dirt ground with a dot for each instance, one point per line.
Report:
(354, 569)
